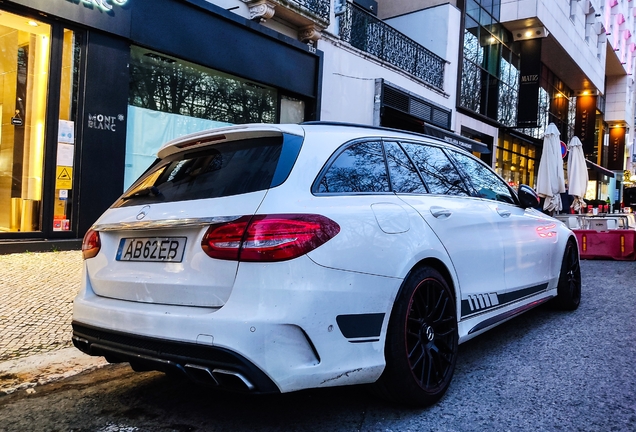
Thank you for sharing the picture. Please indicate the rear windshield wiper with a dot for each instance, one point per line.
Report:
(147, 191)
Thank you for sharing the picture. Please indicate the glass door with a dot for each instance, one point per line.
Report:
(66, 140)
(24, 79)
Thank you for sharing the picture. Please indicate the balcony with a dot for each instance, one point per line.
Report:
(309, 16)
(366, 32)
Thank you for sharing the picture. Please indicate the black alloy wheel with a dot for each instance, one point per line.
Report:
(569, 288)
(421, 347)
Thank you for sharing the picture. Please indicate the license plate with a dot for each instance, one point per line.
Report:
(160, 249)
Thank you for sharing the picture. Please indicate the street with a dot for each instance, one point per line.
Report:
(543, 371)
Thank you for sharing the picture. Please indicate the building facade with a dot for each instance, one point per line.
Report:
(587, 46)
(91, 88)
(526, 63)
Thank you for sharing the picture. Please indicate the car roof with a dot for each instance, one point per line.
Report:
(346, 131)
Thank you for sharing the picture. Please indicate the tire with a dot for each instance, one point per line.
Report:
(421, 343)
(569, 287)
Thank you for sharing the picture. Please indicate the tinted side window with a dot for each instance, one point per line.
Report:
(486, 182)
(438, 172)
(404, 176)
(360, 168)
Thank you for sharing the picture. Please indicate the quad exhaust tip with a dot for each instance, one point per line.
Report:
(218, 377)
(202, 374)
(81, 344)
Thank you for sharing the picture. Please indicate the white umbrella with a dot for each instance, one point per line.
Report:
(577, 173)
(550, 179)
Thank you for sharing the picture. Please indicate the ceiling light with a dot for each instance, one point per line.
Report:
(530, 33)
(33, 23)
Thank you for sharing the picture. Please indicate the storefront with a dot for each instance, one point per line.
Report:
(91, 89)
(517, 159)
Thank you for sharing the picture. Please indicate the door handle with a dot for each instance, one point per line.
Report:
(440, 212)
(503, 213)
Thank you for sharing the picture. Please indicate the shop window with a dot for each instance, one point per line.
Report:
(516, 162)
(167, 84)
(24, 76)
(170, 97)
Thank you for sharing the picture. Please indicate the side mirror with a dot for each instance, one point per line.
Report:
(528, 197)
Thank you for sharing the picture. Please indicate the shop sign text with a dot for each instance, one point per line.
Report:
(530, 79)
(105, 5)
(103, 122)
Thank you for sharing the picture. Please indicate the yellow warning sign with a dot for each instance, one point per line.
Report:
(64, 178)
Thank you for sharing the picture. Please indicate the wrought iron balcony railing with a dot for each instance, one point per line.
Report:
(320, 8)
(366, 32)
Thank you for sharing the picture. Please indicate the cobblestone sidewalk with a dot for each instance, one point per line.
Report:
(36, 292)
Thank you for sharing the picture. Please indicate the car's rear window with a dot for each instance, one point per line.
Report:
(225, 169)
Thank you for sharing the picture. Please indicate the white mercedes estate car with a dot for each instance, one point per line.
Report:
(273, 258)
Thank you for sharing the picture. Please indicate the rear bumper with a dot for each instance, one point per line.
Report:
(209, 365)
(277, 327)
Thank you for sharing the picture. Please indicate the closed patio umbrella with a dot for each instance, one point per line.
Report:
(551, 179)
(577, 173)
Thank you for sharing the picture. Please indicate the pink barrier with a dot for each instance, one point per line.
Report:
(614, 244)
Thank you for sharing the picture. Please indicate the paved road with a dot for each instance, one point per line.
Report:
(544, 371)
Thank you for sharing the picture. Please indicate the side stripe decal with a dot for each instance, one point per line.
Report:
(475, 303)
(504, 316)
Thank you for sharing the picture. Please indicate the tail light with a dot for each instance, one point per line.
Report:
(91, 244)
(268, 238)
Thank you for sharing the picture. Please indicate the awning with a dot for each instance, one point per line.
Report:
(455, 139)
(522, 137)
(599, 168)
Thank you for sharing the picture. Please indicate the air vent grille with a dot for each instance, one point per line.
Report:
(396, 99)
(418, 108)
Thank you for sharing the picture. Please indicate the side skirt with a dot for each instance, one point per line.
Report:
(506, 315)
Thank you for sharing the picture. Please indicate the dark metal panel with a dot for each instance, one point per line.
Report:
(616, 151)
(103, 127)
(201, 37)
(585, 122)
(415, 106)
(529, 83)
